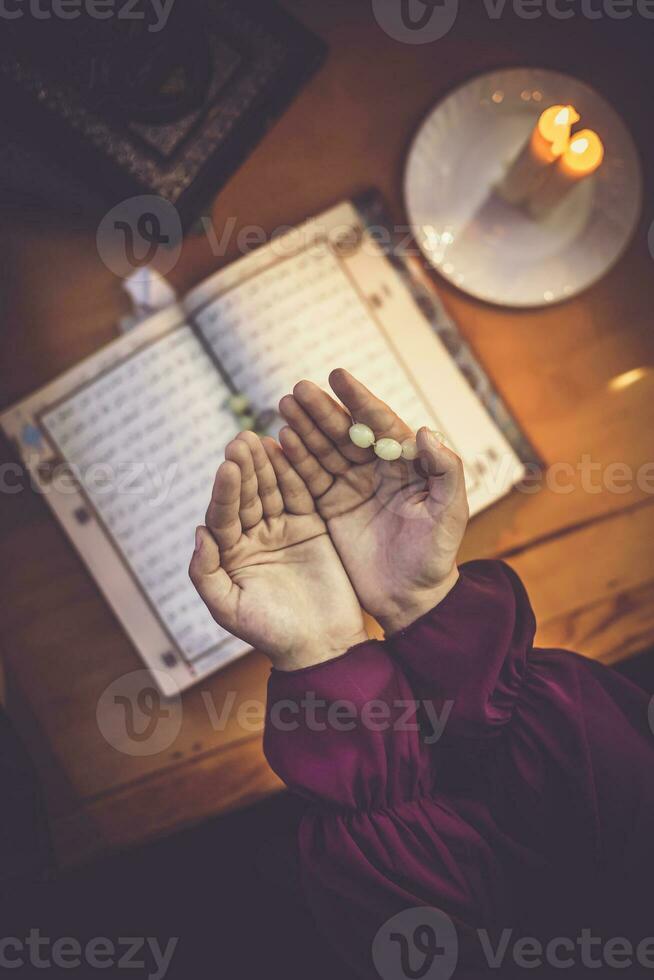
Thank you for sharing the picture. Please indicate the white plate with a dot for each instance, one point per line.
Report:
(488, 248)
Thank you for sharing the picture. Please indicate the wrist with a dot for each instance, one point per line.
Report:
(400, 613)
(319, 652)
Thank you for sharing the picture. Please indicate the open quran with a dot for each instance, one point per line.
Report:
(125, 445)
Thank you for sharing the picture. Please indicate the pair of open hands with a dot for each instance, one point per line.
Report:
(300, 536)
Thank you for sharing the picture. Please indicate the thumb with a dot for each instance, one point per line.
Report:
(444, 468)
(212, 582)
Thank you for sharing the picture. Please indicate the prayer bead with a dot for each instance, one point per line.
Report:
(362, 435)
(388, 449)
(239, 404)
(409, 449)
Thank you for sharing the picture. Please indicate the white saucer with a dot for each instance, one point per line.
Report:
(488, 248)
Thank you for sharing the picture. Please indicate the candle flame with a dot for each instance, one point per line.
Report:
(554, 127)
(584, 154)
(580, 145)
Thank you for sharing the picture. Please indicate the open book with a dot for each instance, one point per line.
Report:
(125, 445)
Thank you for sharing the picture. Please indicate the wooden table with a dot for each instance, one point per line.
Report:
(585, 555)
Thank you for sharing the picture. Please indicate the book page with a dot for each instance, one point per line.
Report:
(325, 296)
(143, 440)
(299, 318)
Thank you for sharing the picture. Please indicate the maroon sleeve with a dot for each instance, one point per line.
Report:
(380, 838)
(469, 653)
(571, 738)
(537, 797)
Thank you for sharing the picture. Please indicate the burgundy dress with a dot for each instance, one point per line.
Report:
(456, 768)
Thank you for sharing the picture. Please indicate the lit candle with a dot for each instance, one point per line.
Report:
(582, 158)
(547, 142)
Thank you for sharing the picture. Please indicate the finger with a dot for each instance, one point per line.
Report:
(269, 495)
(367, 408)
(445, 474)
(317, 444)
(294, 491)
(316, 478)
(250, 508)
(212, 582)
(222, 514)
(332, 420)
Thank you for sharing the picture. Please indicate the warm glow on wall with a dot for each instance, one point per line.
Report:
(627, 379)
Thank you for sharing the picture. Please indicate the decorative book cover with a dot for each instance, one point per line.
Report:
(259, 58)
